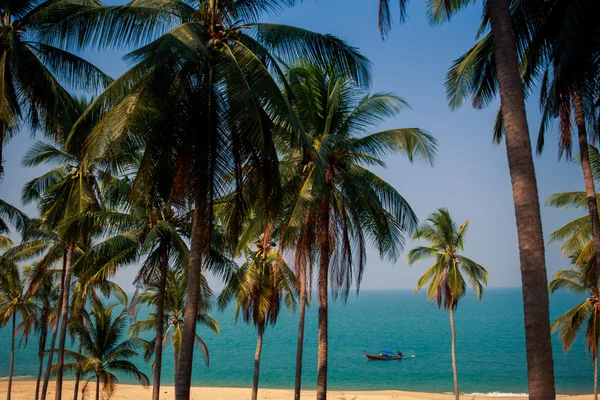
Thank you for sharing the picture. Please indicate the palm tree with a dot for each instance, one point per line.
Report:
(570, 84)
(147, 227)
(505, 69)
(29, 70)
(65, 196)
(218, 66)
(444, 280)
(174, 306)
(262, 282)
(579, 280)
(13, 304)
(342, 202)
(84, 291)
(103, 355)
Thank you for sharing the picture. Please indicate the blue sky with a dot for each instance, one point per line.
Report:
(470, 176)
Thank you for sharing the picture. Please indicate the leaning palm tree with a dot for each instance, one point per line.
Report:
(13, 304)
(580, 281)
(444, 279)
(103, 355)
(259, 287)
(504, 45)
(172, 323)
(339, 202)
(31, 69)
(216, 74)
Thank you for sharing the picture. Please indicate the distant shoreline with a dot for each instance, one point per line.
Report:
(24, 388)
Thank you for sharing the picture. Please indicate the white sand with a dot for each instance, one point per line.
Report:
(25, 390)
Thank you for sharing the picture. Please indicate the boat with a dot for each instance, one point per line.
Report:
(384, 355)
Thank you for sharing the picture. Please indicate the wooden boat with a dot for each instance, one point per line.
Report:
(383, 356)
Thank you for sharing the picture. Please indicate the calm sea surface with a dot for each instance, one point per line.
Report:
(490, 347)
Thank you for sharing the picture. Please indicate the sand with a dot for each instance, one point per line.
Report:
(25, 390)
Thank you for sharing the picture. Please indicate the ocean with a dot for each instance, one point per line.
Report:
(490, 347)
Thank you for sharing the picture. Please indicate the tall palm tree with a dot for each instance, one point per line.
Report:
(148, 227)
(444, 280)
(13, 304)
(172, 325)
(505, 68)
(341, 202)
(216, 74)
(63, 195)
(30, 70)
(103, 354)
(259, 287)
(580, 281)
(570, 83)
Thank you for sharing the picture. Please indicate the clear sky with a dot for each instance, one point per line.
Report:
(470, 176)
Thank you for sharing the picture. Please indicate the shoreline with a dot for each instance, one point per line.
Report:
(23, 389)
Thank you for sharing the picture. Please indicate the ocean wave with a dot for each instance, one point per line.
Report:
(497, 394)
(16, 378)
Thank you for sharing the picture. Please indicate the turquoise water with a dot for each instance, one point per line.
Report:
(490, 347)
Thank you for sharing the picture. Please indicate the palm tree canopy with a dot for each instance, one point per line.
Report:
(444, 278)
(260, 285)
(32, 70)
(331, 169)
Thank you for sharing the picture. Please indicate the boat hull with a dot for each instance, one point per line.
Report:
(374, 357)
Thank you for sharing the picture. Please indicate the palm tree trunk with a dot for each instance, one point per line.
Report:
(77, 375)
(540, 365)
(456, 395)
(64, 321)
(175, 364)
(596, 376)
(300, 346)
(183, 379)
(54, 334)
(259, 342)
(50, 358)
(160, 323)
(588, 177)
(323, 318)
(41, 349)
(97, 387)
(12, 354)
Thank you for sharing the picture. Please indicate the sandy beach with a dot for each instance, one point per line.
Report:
(24, 390)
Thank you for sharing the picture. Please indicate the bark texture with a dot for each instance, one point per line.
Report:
(259, 343)
(540, 365)
(64, 321)
(300, 346)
